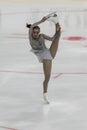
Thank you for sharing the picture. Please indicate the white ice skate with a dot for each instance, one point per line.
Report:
(53, 18)
(45, 98)
(50, 15)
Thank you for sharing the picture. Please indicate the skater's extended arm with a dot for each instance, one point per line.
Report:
(48, 37)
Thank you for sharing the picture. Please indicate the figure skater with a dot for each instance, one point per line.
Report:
(45, 55)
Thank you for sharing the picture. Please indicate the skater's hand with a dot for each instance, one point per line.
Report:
(43, 19)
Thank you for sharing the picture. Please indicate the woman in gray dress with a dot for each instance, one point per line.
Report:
(45, 55)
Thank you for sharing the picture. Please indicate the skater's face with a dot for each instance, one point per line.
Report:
(35, 33)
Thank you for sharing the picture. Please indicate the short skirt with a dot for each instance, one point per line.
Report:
(43, 54)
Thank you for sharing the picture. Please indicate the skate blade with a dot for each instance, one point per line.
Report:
(46, 102)
(50, 15)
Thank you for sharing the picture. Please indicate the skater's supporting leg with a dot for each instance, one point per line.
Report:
(47, 64)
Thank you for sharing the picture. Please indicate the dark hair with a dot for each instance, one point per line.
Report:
(28, 25)
(35, 27)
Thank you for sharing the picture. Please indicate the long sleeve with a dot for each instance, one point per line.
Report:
(48, 37)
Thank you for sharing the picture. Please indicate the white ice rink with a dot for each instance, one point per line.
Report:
(21, 75)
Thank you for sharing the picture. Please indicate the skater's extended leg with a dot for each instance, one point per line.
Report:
(55, 42)
(54, 46)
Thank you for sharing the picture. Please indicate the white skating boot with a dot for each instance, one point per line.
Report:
(45, 98)
(53, 18)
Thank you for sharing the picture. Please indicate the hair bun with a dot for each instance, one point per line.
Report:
(28, 25)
